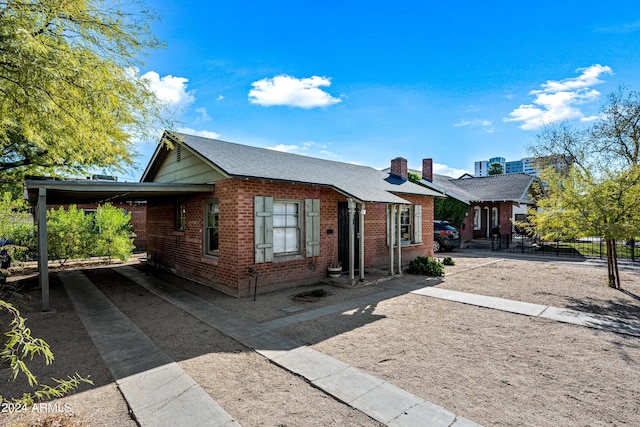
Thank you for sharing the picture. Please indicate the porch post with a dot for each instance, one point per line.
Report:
(488, 216)
(43, 258)
(399, 240)
(352, 211)
(392, 222)
(363, 211)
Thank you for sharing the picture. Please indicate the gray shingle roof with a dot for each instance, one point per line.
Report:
(495, 188)
(363, 183)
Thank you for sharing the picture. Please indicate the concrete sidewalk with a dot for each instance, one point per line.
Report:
(597, 321)
(156, 389)
(378, 399)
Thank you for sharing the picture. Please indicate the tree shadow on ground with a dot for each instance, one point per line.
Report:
(612, 307)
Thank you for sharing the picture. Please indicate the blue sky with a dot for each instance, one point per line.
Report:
(365, 82)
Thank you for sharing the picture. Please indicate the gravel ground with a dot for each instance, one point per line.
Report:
(493, 367)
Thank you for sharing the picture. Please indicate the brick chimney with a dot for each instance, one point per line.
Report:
(427, 169)
(399, 168)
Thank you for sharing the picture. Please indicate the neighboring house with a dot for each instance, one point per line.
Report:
(495, 202)
(285, 216)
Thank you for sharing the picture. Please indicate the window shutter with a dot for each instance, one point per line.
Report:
(312, 227)
(263, 223)
(417, 223)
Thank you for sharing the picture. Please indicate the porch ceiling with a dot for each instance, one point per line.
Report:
(68, 192)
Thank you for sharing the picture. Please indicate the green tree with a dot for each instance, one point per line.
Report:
(113, 233)
(16, 225)
(70, 234)
(495, 168)
(70, 95)
(593, 178)
(445, 208)
(451, 210)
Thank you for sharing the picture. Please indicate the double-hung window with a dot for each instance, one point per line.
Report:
(406, 225)
(286, 227)
(180, 215)
(477, 218)
(211, 222)
(410, 223)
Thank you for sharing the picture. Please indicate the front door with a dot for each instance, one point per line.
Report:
(343, 237)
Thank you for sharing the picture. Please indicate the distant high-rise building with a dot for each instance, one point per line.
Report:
(526, 165)
(481, 168)
(516, 166)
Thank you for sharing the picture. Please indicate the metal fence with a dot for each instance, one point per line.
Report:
(590, 247)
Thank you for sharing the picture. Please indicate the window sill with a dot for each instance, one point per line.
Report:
(285, 258)
(210, 259)
(177, 233)
(408, 245)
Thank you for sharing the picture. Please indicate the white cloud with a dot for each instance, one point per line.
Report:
(441, 169)
(560, 100)
(625, 28)
(485, 125)
(285, 148)
(169, 89)
(291, 91)
(203, 133)
(204, 117)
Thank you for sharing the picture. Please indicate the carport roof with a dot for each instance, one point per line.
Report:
(91, 191)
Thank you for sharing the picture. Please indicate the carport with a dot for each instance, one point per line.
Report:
(39, 193)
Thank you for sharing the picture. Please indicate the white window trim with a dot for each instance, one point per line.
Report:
(205, 239)
(415, 226)
(297, 227)
(477, 218)
(180, 215)
(494, 217)
(308, 229)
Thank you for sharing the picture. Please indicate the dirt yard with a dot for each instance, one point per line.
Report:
(495, 368)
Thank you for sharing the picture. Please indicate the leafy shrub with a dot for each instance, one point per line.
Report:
(74, 234)
(16, 226)
(426, 266)
(69, 233)
(448, 261)
(112, 233)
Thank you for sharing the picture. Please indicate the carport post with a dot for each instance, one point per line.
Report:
(43, 258)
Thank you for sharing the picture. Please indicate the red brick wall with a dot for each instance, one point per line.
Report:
(182, 251)
(466, 229)
(505, 212)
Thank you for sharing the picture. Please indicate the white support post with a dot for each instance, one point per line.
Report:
(43, 258)
(352, 211)
(390, 230)
(363, 212)
(399, 240)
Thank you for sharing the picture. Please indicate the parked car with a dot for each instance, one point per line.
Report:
(445, 236)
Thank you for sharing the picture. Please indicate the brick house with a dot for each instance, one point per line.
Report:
(494, 201)
(286, 216)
